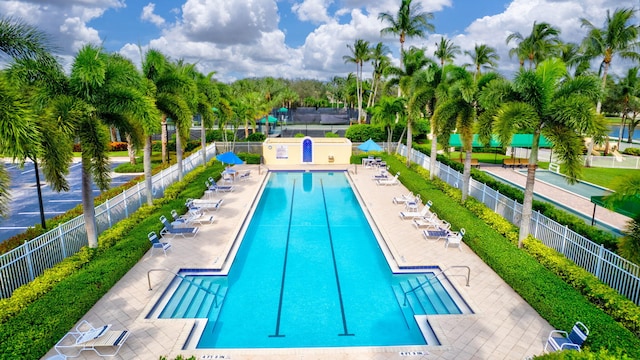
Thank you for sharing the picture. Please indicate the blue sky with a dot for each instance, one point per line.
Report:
(290, 38)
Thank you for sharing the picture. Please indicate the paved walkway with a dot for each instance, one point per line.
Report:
(503, 325)
(570, 200)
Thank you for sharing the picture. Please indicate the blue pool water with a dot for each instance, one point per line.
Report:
(309, 273)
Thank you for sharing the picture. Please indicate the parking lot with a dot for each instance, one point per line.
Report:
(24, 210)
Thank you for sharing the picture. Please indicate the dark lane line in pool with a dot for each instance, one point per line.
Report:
(335, 265)
(284, 265)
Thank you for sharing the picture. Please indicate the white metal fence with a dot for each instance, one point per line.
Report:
(24, 263)
(616, 162)
(617, 272)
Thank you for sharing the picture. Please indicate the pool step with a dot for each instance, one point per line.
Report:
(426, 299)
(195, 299)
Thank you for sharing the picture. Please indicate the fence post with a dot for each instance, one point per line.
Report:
(126, 207)
(495, 203)
(27, 255)
(108, 209)
(535, 230)
(600, 260)
(61, 236)
(139, 195)
(564, 239)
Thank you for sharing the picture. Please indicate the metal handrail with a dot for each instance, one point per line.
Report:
(215, 296)
(419, 286)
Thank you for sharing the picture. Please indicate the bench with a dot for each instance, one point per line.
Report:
(512, 163)
(474, 162)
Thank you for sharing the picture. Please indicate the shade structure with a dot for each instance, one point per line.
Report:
(283, 109)
(271, 120)
(369, 145)
(517, 140)
(628, 207)
(229, 158)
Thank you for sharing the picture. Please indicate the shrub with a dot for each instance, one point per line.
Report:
(218, 135)
(363, 132)
(250, 158)
(118, 146)
(331, 135)
(299, 135)
(632, 151)
(257, 136)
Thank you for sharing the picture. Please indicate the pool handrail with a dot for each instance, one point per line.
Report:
(215, 296)
(420, 284)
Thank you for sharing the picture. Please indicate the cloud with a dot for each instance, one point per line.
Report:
(149, 15)
(312, 10)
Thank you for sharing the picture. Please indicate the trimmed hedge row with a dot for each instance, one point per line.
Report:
(555, 300)
(41, 312)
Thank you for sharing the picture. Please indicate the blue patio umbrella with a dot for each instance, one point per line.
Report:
(229, 158)
(369, 145)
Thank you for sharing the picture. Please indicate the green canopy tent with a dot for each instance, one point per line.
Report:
(518, 140)
(272, 120)
(456, 141)
(627, 207)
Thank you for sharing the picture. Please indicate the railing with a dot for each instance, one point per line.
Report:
(612, 269)
(616, 162)
(191, 283)
(24, 263)
(428, 280)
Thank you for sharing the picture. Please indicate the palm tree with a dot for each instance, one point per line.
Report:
(384, 112)
(360, 52)
(379, 61)
(414, 60)
(540, 44)
(106, 90)
(628, 96)
(446, 51)
(459, 109)
(628, 189)
(619, 36)
(545, 102)
(208, 95)
(483, 57)
(409, 22)
(31, 48)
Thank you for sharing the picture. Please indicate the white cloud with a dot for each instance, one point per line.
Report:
(149, 15)
(312, 10)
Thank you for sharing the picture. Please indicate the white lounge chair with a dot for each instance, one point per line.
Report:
(102, 340)
(439, 232)
(175, 231)
(455, 239)
(403, 198)
(392, 181)
(204, 205)
(244, 176)
(430, 221)
(219, 188)
(417, 214)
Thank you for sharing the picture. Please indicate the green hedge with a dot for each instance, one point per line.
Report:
(41, 312)
(555, 300)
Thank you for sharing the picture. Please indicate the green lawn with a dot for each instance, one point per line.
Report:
(607, 177)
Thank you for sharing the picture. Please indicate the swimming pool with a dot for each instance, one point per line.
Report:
(310, 273)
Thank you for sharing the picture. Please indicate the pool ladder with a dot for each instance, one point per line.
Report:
(419, 286)
(215, 296)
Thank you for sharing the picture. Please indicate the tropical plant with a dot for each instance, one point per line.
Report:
(410, 21)
(446, 51)
(543, 102)
(483, 57)
(384, 112)
(105, 90)
(380, 61)
(628, 189)
(414, 60)
(360, 52)
(627, 94)
(618, 36)
(542, 43)
(459, 109)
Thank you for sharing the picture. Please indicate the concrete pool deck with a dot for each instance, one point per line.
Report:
(503, 326)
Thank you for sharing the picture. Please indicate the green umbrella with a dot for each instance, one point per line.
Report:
(271, 120)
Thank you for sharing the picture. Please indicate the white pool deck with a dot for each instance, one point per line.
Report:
(503, 326)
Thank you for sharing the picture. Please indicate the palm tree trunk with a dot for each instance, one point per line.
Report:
(179, 152)
(527, 202)
(131, 151)
(88, 211)
(466, 175)
(621, 132)
(163, 138)
(146, 163)
(434, 153)
(203, 144)
(605, 70)
(409, 141)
